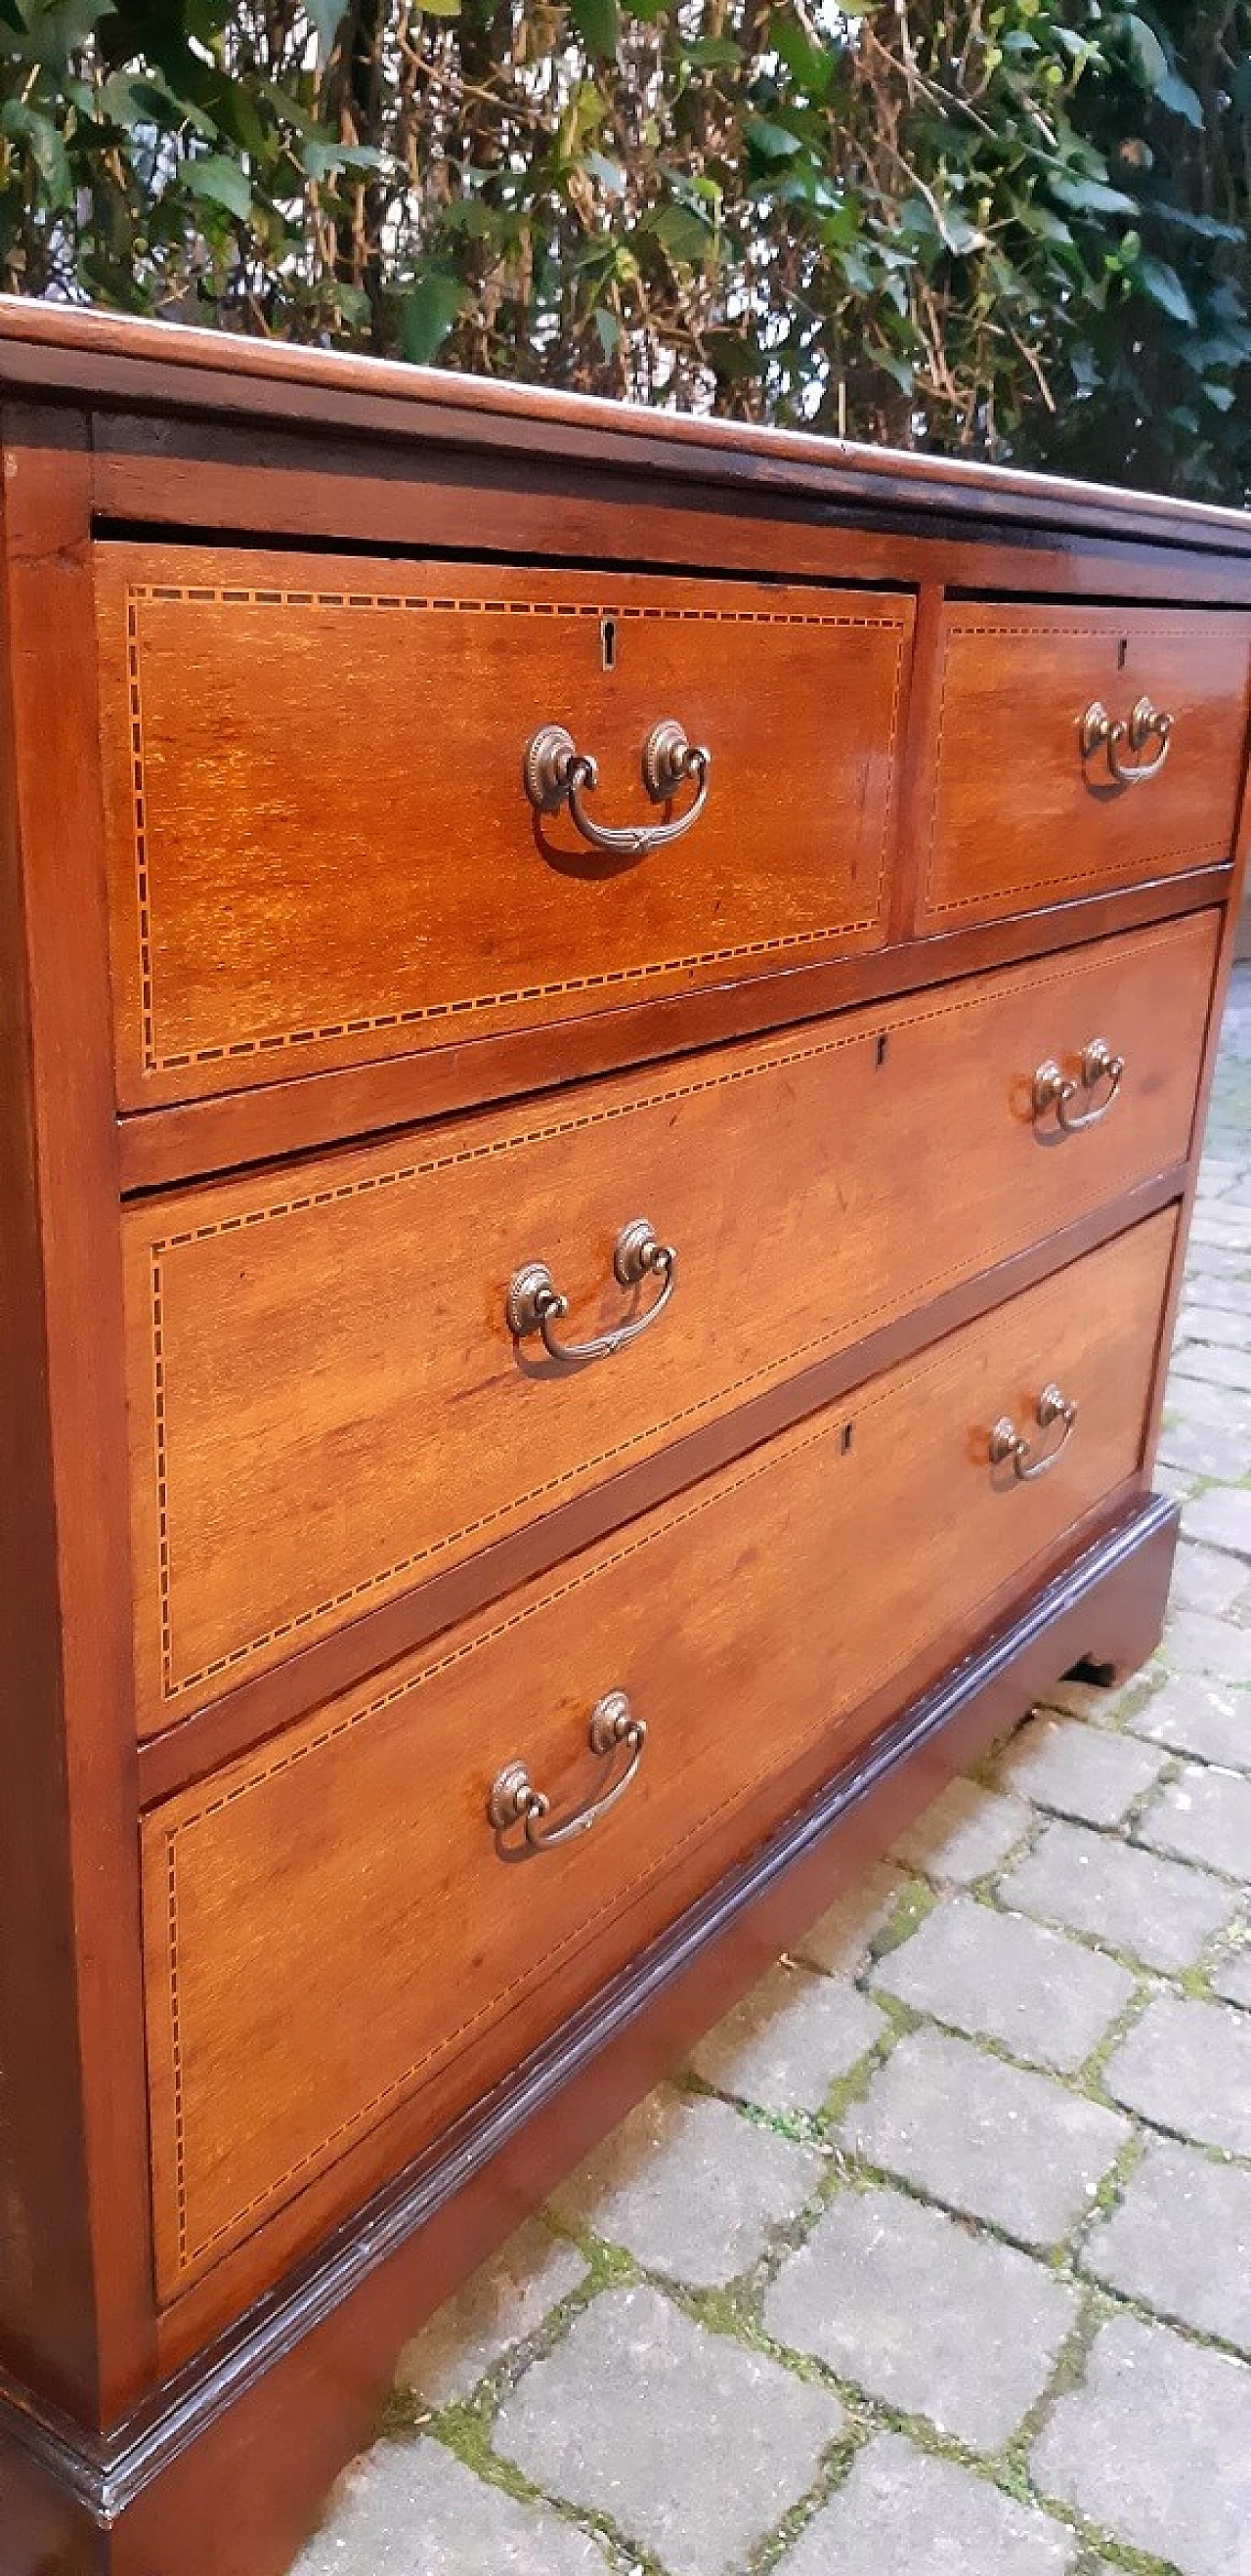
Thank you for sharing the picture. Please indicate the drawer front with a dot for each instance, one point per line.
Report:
(321, 848)
(331, 1930)
(328, 1405)
(1022, 816)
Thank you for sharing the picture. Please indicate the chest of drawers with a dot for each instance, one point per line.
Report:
(604, 1025)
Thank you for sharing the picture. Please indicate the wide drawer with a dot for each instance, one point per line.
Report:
(1023, 814)
(321, 848)
(327, 1401)
(335, 1932)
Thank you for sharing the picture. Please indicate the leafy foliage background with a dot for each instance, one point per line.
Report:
(1009, 227)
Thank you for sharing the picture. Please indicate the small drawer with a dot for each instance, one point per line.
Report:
(328, 1400)
(338, 1936)
(1033, 801)
(322, 848)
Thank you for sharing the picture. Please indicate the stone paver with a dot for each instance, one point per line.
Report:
(921, 2312)
(503, 2303)
(902, 2513)
(1213, 1323)
(1225, 1518)
(1079, 1772)
(1132, 1899)
(1181, 2240)
(789, 2041)
(965, 1834)
(1044, 1997)
(1197, 1643)
(1187, 2066)
(841, 1939)
(1200, 1448)
(920, 2238)
(691, 2188)
(1200, 1717)
(1203, 1816)
(693, 2445)
(411, 2509)
(1204, 1579)
(996, 2141)
(1155, 2446)
(1232, 1978)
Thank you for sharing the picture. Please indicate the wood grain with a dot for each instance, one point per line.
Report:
(320, 846)
(328, 1406)
(717, 1616)
(125, 362)
(159, 1147)
(75, 2299)
(1018, 817)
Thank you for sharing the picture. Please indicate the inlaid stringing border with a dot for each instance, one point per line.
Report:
(268, 596)
(958, 631)
(174, 1685)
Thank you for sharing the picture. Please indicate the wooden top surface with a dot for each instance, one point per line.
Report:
(122, 363)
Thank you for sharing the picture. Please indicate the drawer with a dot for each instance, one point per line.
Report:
(1022, 815)
(321, 848)
(327, 1404)
(335, 1933)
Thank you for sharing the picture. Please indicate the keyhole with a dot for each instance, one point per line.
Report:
(608, 642)
(880, 1056)
(848, 1434)
(1122, 653)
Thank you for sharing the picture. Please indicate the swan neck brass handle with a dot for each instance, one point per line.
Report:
(1117, 734)
(1056, 1090)
(535, 1304)
(514, 1800)
(556, 773)
(1006, 1442)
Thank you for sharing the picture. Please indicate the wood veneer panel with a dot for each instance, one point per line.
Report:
(161, 1146)
(327, 1406)
(1019, 818)
(320, 845)
(329, 1922)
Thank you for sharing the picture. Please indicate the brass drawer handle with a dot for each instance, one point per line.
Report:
(1007, 1442)
(535, 1304)
(556, 773)
(514, 1800)
(1102, 732)
(1056, 1090)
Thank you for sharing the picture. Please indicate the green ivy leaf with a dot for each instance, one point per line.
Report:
(47, 147)
(429, 311)
(321, 159)
(608, 330)
(683, 235)
(713, 53)
(325, 17)
(596, 23)
(1090, 196)
(221, 183)
(1146, 53)
(1177, 95)
(1165, 288)
(772, 142)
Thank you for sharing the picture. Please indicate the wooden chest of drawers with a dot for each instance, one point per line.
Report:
(603, 1044)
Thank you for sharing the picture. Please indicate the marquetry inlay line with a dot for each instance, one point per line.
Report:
(890, 621)
(781, 1453)
(174, 1685)
(958, 632)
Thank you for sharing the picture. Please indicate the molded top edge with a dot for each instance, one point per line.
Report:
(116, 360)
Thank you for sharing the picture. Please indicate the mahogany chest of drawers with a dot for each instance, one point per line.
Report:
(603, 1035)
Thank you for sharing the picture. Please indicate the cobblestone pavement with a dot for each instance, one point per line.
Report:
(936, 2261)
